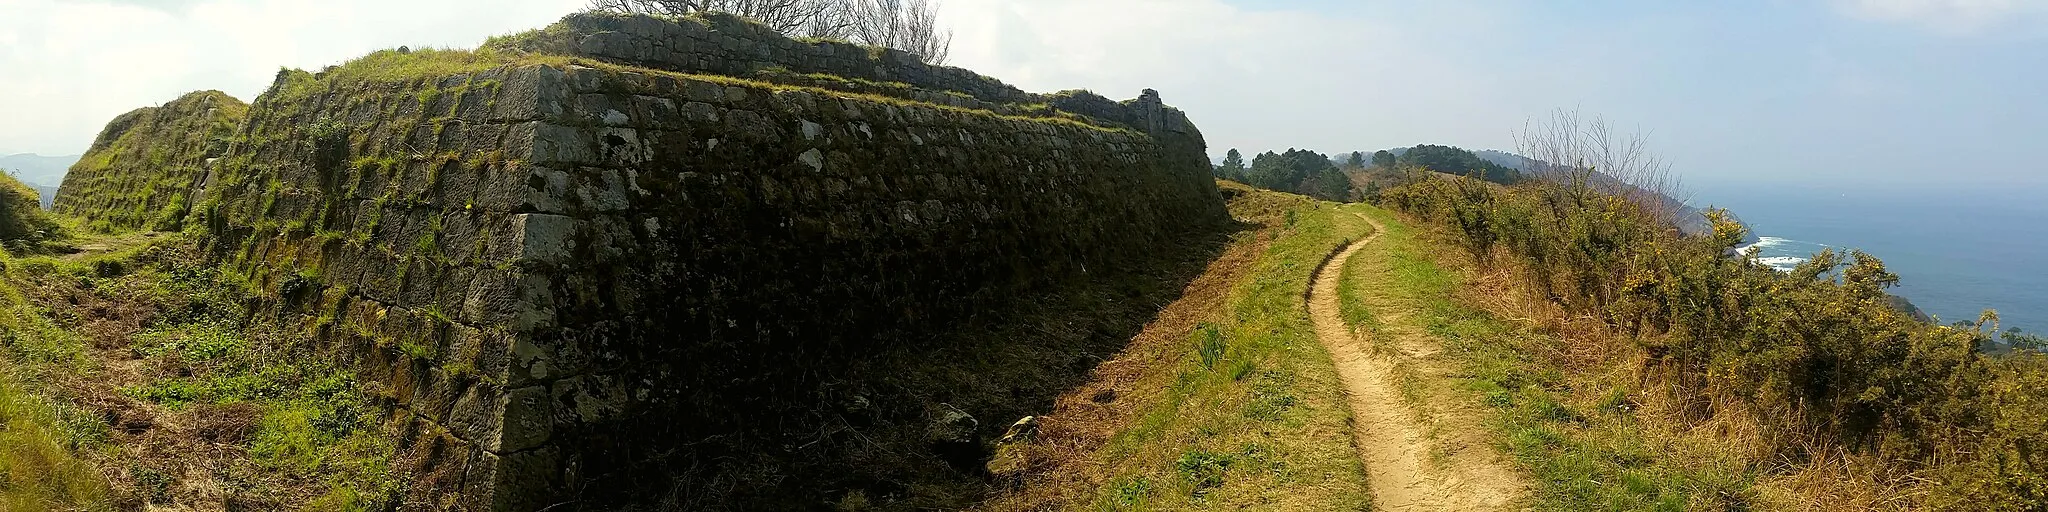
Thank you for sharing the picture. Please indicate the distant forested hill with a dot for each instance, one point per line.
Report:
(1453, 160)
(1692, 220)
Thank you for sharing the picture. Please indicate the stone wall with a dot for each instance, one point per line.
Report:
(558, 271)
(722, 44)
(390, 219)
(143, 169)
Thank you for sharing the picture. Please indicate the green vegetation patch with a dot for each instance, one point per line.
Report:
(1578, 437)
(24, 227)
(94, 438)
(1254, 415)
(39, 468)
(144, 166)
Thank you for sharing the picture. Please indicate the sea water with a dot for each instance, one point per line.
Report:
(1957, 250)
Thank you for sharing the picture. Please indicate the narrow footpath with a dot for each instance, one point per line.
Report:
(1391, 437)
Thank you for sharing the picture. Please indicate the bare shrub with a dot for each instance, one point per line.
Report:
(908, 25)
(1589, 156)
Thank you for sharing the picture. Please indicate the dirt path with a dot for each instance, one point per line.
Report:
(1391, 436)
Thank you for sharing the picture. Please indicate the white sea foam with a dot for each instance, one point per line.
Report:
(1766, 242)
(1782, 263)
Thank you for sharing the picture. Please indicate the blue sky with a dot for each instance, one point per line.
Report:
(1735, 94)
(1748, 91)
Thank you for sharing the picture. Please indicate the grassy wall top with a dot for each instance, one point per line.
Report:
(143, 168)
(392, 68)
(729, 45)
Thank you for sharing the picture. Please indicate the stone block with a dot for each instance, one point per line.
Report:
(530, 480)
(544, 237)
(529, 419)
(531, 363)
(478, 415)
(622, 147)
(493, 298)
(557, 145)
(591, 399)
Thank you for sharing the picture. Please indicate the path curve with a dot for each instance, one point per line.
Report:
(1390, 438)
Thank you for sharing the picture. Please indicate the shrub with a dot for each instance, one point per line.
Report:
(1818, 352)
(22, 220)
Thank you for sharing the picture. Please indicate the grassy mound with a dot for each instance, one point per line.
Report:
(23, 224)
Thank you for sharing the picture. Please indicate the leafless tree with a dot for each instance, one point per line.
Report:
(795, 17)
(1587, 156)
(908, 25)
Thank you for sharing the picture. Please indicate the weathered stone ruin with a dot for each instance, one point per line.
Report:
(558, 256)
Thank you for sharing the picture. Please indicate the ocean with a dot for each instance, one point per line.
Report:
(1957, 251)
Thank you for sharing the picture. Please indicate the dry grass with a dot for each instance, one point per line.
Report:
(1082, 421)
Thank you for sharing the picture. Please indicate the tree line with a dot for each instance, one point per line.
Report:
(1317, 175)
(1297, 170)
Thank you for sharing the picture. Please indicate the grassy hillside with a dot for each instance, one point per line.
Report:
(24, 227)
(1629, 368)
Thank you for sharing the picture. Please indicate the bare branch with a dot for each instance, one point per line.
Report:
(908, 25)
(1589, 156)
(796, 17)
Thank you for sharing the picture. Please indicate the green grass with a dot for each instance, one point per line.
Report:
(39, 437)
(1351, 299)
(1573, 433)
(388, 67)
(313, 426)
(38, 469)
(1253, 416)
(140, 179)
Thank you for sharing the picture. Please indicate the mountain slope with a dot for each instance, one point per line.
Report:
(38, 170)
(44, 173)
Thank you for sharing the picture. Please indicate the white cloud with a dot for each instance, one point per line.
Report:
(1254, 79)
(67, 67)
(1952, 17)
(1380, 75)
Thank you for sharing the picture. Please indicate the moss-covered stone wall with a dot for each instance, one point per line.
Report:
(558, 271)
(381, 217)
(143, 169)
